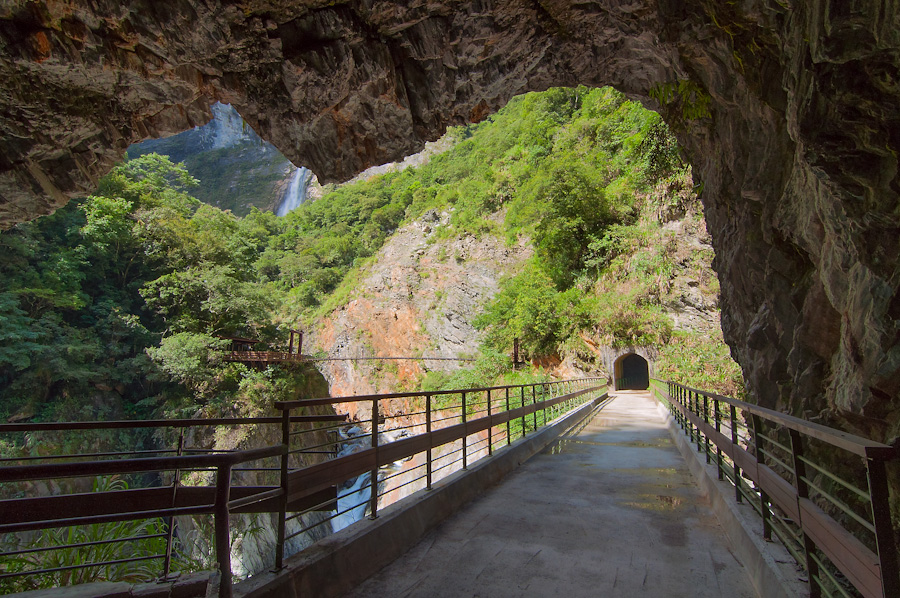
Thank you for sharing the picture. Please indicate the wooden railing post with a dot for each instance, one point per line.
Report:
(430, 441)
(809, 547)
(490, 427)
(544, 391)
(282, 514)
(673, 396)
(763, 497)
(696, 411)
(706, 421)
(738, 497)
(223, 533)
(718, 422)
(884, 536)
(170, 521)
(522, 405)
(508, 438)
(465, 437)
(551, 392)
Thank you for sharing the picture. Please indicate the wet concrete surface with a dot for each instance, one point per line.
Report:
(609, 510)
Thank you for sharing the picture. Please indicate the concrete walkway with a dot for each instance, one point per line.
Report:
(607, 511)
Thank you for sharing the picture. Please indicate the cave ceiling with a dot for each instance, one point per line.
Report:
(787, 110)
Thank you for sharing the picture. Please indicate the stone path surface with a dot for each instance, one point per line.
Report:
(609, 510)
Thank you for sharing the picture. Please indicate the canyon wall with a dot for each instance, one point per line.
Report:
(417, 298)
(787, 110)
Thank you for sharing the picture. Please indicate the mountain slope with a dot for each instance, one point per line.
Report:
(612, 252)
(237, 170)
(417, 297)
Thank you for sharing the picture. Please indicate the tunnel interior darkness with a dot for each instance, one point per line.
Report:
(632, 372)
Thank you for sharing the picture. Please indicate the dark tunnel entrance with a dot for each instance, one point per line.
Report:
(632, 373)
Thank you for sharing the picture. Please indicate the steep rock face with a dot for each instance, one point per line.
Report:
(788, 110)
(236, 169)
(417, 299)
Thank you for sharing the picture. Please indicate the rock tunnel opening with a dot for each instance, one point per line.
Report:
(632, 372)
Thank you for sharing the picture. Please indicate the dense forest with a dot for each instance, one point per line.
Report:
(114, 305)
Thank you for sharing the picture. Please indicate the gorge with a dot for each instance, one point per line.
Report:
(787, 111)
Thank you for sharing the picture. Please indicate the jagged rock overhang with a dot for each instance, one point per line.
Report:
(787, 110)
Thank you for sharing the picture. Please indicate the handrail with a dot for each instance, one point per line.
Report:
(790, 501)
(222, 462)
(160, 423)
(849, 442)
(316, 477)
(282, 405)
(44, 471)
(489, 411)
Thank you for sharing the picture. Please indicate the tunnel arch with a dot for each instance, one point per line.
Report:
(631, 371)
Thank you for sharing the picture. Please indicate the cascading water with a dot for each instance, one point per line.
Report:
(353, 500)
(359, 490)
(356, 495)
(296, 191)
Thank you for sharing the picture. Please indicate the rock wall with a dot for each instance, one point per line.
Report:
(417, 299)
(788, 111)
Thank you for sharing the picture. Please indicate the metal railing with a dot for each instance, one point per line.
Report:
(408, 441)
(24, 515)
(822, 492)
(398, 443)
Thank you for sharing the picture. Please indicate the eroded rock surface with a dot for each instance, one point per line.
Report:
(417, 299)
(788, 111)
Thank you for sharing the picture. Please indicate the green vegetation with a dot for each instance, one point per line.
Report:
(694, 359)
(111, 305)
(238, 177)
(590, 178)
(129, 288)
(112, 308)
(240, 174)
(691, 101)
(115, 306)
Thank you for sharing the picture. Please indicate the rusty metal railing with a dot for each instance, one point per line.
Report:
(822, 492)
(24, 515)
(82, 531)
(410, 440)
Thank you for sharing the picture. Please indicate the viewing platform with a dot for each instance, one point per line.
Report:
(241, 351)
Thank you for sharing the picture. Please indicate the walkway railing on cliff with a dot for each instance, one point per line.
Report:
(822, 492)
(403, 442)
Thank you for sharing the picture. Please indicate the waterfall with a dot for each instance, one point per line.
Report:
(357, 493)
(354, 496)
(296, 192)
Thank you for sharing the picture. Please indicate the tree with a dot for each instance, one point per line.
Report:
(527, 307)
(189, 357)
(577, 211)
(208, 299)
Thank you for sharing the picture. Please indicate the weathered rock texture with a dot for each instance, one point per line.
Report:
(798, 152)
(418, 298)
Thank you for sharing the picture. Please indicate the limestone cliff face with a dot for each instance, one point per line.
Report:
(788, 111)
(417, 299)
